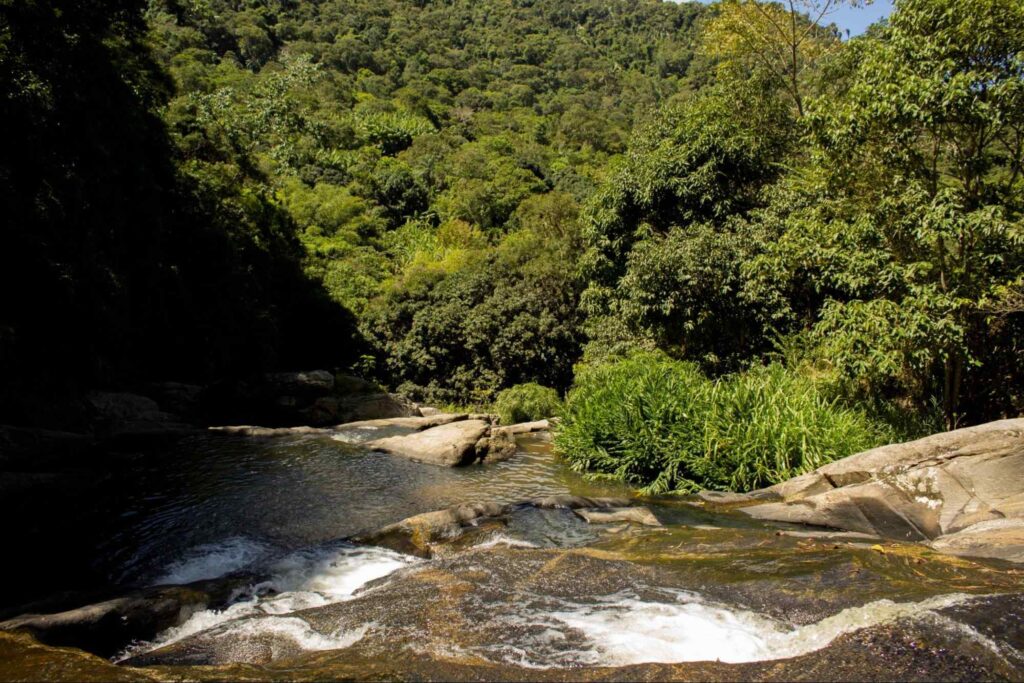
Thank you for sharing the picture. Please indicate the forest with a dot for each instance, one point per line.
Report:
(725, 243)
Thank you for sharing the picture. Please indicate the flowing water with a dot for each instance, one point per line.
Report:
(542, 591)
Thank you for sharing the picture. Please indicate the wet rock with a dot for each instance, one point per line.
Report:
(451, 444)
(23, 658)
(420, 423)
(418, 534)
(635, 515)
(570, 502)
(1001, 539)
(528, 427)
(931, 489)
(253, 430)
(499, 446)
(107, 627)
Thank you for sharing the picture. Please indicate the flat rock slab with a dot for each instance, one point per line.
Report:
(449, 445)
(1002, 539)
(635, 515)
(961, 491)
(527, 427)
(416, 423)
(413, 423)
(253, 430)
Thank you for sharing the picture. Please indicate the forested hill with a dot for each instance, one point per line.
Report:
(189, 179)
(457, 197)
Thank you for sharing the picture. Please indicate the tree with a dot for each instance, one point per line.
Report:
(785, 39)
(913, 214)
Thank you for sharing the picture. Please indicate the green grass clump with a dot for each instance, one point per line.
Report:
(661, 425)
(527, 402)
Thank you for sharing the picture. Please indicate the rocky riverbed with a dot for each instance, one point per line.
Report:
(343, 552)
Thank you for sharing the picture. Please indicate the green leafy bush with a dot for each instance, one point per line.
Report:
(662, 425)
(527, 402)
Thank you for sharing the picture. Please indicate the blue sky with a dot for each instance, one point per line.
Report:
(856, 19)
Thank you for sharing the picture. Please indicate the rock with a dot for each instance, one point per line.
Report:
(931, 489)
(122, 417)
(528, 427)
(178, 398)
(330, 410)
(417, 535)
(569, 502)
(252, 430)
(636, 515)
(317, 398)
(418, 423)
(105, 628)
(451, 445)
(312, 383)
(499, 446)
(427, 411)
(1001, 539)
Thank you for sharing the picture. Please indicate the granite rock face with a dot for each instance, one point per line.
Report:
(961, 491)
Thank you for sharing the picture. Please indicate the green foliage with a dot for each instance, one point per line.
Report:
(666, 233)
(527, 402)
(907, 218)
(462, 328)
(661, 425)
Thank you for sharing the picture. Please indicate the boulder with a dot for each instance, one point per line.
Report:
(436, 419)
(500, 445)
(317, 398)
(1002, 539)
(453, 444)
(959, 490)
(608, 515)
(570, 502)
(418, 534)
(311, 383)
(528, 427)
(105, 628)
(252, 430)
(122, 416)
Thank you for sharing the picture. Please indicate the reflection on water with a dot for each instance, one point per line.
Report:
(238, 499)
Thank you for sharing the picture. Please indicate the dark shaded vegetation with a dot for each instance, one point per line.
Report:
(119, 261)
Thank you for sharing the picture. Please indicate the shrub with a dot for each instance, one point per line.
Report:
(662, 425)
(526, 402)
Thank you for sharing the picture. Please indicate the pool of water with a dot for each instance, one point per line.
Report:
(214, 503)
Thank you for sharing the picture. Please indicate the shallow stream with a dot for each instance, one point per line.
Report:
(541, 591)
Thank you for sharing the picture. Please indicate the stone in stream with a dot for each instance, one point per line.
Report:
(419, 424)
(962, 491)
(422, 535)
(527, 427)
(636, 515)
(107, 627)
(454, 444)
(413, 423)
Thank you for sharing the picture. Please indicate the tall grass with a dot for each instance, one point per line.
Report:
(661, 425)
